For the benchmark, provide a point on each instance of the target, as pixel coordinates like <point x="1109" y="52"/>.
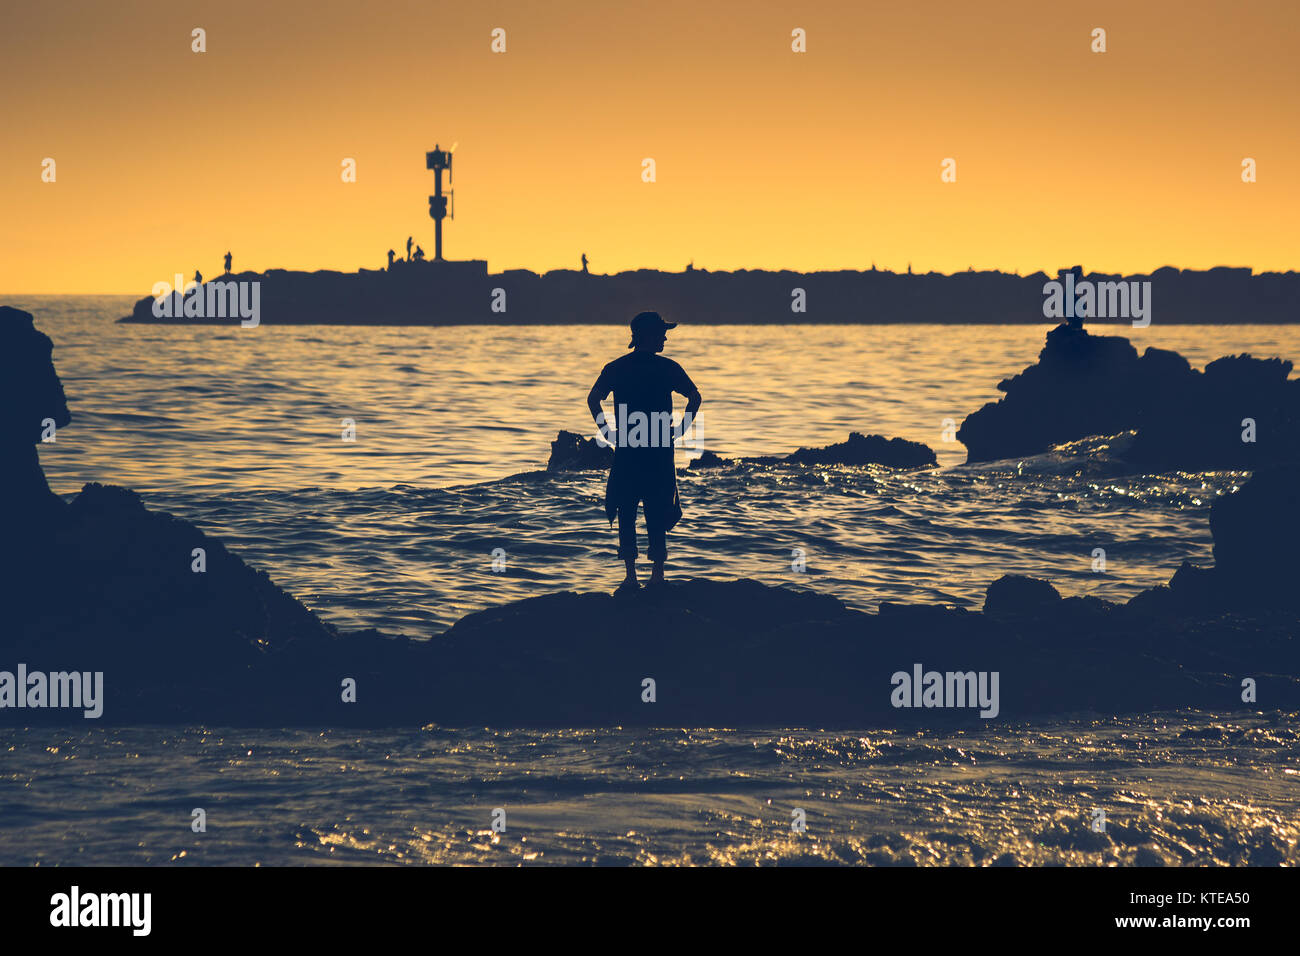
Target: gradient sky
<point x="1123" y="161"/>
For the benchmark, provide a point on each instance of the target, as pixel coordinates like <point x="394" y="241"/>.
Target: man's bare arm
<point x="594" y="398"/>
<point x="693" y="401"/>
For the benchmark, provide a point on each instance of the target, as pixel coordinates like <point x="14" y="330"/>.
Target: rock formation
<point x="572" y="452"/>
<point x="1085" y="385"/>
<point x="34" y="409"/>
<point x="179" y="625"/>
<point x="867" y="450"/>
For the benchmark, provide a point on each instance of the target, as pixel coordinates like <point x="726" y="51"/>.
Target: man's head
<point x="650" y="331"/>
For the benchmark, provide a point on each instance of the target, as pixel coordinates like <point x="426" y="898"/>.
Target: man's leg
<point x="657" y="532"/>
<point x="627" y="539"/>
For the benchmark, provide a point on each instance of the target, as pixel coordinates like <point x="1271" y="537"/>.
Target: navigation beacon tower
<point x="438" y="160"/>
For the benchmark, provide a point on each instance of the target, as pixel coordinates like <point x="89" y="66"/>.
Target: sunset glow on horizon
<point x="1123" y="161"/>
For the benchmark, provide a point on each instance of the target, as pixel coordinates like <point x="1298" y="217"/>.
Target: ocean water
<point x="1176" y="789"/>
<point x="240" y="432"/>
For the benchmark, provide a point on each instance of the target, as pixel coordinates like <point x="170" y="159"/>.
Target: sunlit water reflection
<point x="1187" y="789"/>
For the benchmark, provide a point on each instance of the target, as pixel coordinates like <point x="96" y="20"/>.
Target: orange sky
<point x="1121" y="161"/>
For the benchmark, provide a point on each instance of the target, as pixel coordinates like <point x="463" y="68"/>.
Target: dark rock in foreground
<point x="180" y="627"/>
<point x="740" y="653"/>
<point x="111" y="586"/>
<point x="719" y="653"/>
<point x="1085" y="385"/>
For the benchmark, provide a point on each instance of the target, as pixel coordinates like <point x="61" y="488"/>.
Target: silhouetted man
<point x="584" y="263"/>
<point x="198" y="277"/>
<point x="228" y="261"/>
<point x="410" y="240"/>
<point x="419" y="254"/>
<point x="391" y="253"/>
<point x="643" y="472"/>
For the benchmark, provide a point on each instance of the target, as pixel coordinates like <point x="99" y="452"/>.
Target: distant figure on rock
<point x="419" y="254"/>
<point x="228" y="261"/>
<point x="642" y="433"/>
<point x="584" y="264"/>
<point x="391" y="254"/>
<point x="409" y="240"/>
<point x="198" y="277"/>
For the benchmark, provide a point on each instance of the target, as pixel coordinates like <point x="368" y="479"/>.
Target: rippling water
<point x="239" y="431"/>
<point x="1175" y="789"/>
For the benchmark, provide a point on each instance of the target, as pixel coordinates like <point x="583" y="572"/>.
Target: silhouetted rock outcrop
<point x="1084" y="385"/>
<point x="1256" y="564"/>
<point x="179" y="626"/>
<point x="867" y="450"/>
<point x="572" y="452"/>
<point x="1257" y="535"/>
<point x="34" y="407"/>
<point x="742" y="653"/>
<point x="711" y="459"/>
<point x="1014" y="594"/>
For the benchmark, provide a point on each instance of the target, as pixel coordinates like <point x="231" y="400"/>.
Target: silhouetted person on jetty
<point x="643" y="472"/>
<point x="391" y="254"/>
<point x="584" y="264"/>
<point x="409" y="241"/>
<point x="419" y="254"/>
<point x="228" y="261"/>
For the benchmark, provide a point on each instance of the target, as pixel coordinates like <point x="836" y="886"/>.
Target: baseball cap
<point x="647" y="322"/>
